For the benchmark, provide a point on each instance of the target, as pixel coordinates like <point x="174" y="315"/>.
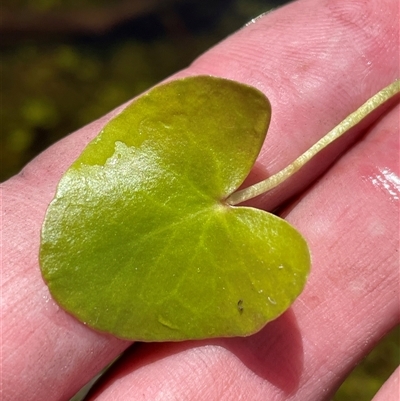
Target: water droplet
<point x="388" y="181"/>
<point x="46" y="298"/>
<point x="271" y="300"/>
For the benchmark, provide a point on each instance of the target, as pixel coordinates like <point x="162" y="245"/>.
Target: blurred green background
<point x="68" y="62"/>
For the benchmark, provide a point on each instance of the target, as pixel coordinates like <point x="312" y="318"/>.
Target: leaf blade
<point x="138" y="241"/>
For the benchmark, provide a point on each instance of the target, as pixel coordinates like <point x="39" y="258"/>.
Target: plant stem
<point x="349" y="122"/>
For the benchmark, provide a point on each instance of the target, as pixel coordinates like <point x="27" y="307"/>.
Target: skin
<point x="317" y="61"/>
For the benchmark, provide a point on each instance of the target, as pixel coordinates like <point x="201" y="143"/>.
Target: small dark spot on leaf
<point x="240" y="306"/>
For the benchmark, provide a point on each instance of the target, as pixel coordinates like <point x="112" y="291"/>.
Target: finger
<point x="316" y="64"/>
<point x="390" y="390"/>
<point x="350" y="220"/>
<point x="42" y="346"/>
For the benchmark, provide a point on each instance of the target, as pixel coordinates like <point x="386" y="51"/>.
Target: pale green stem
<point x="349" y="122"/>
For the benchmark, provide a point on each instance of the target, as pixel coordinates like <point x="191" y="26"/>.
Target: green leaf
<point x="138" y="240"/>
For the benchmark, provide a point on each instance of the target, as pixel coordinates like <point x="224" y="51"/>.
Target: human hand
<point x="316" y="63"/>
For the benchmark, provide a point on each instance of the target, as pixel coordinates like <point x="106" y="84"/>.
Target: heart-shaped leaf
<point x="138" y="240"/>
